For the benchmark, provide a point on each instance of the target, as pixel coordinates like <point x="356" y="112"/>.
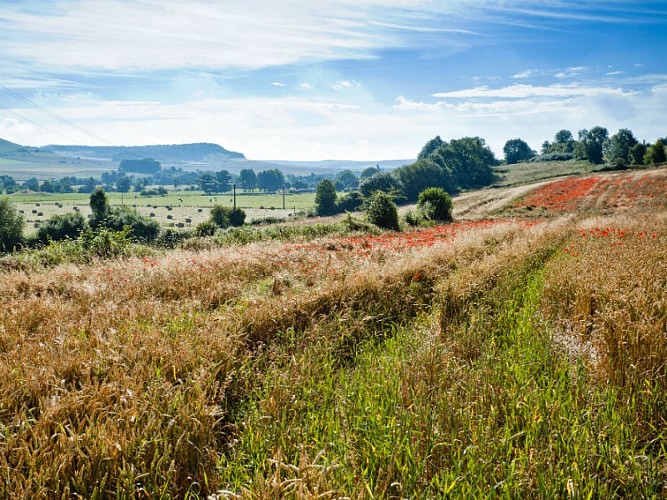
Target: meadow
<point x="517" y="352"/>
<point x="184" y="209"/>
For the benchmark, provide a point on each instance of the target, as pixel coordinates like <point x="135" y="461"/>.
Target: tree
<point x="379" y="182"/>
<point x="563" y="137"/>
<point x="381" y="211"/>
<point x="62" y="226"/>
<point x="517" y="150"/>
<point x="99" y="204"/>
<point x="637" y="153"/>
<point x="470" y="161"/>
<point x="126" y="218"/>
<point x="430" y="147"/>
<point x="655" y="154"/>
<point x="422" y="174"/>
<point x="349" y="202"/>
<point x="88" y="185"/>
<point x="270" y="180"/>
<point x="145" y="166"/>
<point x="435" y="204"/>
<point x="11" y="226"/>
<point x="225" y="216"/>
<point x="618" y="146"/>
<point x="247" y="179"/>
<point x="347" y="179"/>
<point x="123" y="184"/>
<point x="369" y="172"/>
<point x="325" y="198"/>
<point x="590" y="144"/>
<point x="32" y="184"/>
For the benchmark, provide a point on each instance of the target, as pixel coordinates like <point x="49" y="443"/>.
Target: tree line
<point x="620" y="150"/>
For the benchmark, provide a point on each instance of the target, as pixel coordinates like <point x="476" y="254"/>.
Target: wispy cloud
<point x="525" y="91"/>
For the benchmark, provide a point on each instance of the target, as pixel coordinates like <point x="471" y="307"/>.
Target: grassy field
<point x="52" y="167"/>
<point x="518" y="352"/>
<point x="177" y="207"/>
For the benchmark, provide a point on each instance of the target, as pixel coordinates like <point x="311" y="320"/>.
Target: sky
<point x="324" y="79"/>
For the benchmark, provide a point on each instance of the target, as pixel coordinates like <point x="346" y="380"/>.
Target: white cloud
<point x="278" y="84"/>
<point x="571" y="72"/>
<point x="345" y="84"/>
<point x="521" y="91"/>
<point x="139" y="35"/>
<point x="523" y="74"/>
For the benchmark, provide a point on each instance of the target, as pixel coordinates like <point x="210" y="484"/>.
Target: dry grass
<point x="427" y="364"/>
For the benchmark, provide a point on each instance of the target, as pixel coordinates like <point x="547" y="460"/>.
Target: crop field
<point x="183" y="209"/>
<point x="518" y="352"/>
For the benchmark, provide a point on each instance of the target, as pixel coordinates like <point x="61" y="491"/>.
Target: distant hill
<point x="198" y="152"/>
<point x="8" y="147"/>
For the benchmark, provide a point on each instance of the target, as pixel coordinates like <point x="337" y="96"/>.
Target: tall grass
<point x="486" y="362"/>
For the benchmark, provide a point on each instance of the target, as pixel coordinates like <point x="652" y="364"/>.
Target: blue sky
<point x="345" y="79"/>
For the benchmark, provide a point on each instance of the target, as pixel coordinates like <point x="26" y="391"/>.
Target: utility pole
<point x="234" y="196"/>
<point x="283" y="196"/>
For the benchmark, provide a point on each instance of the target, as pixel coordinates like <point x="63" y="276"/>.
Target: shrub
<point x="140" y="227"/>
<point x="206" y="228"/>
<point x="558" y="156"/>
<point x="170" y="238"/>
<point x="381" y="211"/>
<point x="61" y="227"/>
<point x="106" y="242"/>
<point x="99" y="204"/>
<point x="11" y="226"/>
<point x="435" y="204"/>
<point x="224" y="216"/>
<point x="350" y="202"/>
<point x="325" y="198"/>
<point x="236" y="217"/>
<point x="413" y="218"/>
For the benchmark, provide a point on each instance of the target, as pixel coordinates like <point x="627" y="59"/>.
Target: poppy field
<point x="521" y="354"/>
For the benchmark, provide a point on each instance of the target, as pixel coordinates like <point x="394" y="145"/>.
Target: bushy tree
<point x="369" y="172"/>
<point x="422" y="174"/>
<point x="346" y="179"/>
<point x="517" y="150"/>
<point x="62" y="226"/>
<point x="384" y="182"/>
<point x="618" y="146"/>
<point x="99" y="204"/>
<point x="247" y="179"/>
<point x="655" y="154"/>
<point x="350" y="202"/>
<point x="11" y="226"/>
<point x="470" y="161"/>
<point x="225" y="216"/>
<point x="139" y="227"/>
<point x="435" y="204"/>
<point x="381" y="211"/>
<point x="637" y="153"/>
<point x="325" y="198"/>
<point x="590" y="144"/>
<point x="270" y="180"/>
<point x="430" y="147"/>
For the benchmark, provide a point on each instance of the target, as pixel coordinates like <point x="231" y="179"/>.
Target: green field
<point x="183" y="209"/>
<point x="52" y="167"/>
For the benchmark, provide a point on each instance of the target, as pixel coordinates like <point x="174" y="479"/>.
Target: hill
<point x="196" y="152"/>
<point x="8" y="147"/>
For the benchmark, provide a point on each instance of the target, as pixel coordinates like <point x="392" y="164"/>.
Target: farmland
<point x="177" y="207"/>
<point x="518" y="352"/>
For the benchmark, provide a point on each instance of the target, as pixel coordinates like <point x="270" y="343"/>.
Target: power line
<point x="34" y="122"/>
<point x="56" y="116"/>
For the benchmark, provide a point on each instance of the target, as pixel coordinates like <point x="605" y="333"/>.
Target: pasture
<point x="183" y="209"/>
<point x="517" y="352"/>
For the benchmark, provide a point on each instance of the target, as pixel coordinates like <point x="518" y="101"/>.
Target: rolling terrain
<point x="518" y="352"/>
